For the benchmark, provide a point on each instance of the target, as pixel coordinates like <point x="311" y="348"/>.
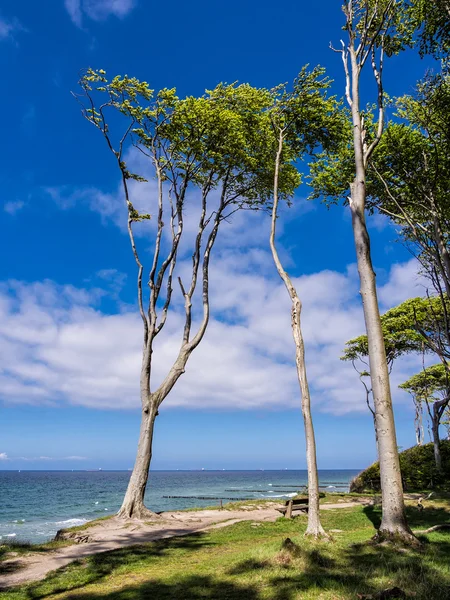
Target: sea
<point x="35" y="504"/>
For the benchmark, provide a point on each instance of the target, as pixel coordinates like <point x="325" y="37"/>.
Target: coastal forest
<point x="188" y="166"/>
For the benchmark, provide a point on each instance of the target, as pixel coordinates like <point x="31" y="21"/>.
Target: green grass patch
<point x="253" y="504"/>
<point x="247" y="562"/>
<point x="87" y="525"/>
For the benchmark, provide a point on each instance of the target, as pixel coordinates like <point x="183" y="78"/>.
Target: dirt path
<point x="114" y="533"/>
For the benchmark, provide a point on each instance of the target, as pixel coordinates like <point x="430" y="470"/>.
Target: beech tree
<point x="302" y="120"/>
<point x="418" y="326"/>
<point x="374" y="29"/>
<point x="410" y="176"/>
<point x="213" y="153"/>
<point x="431" y="21"/>
<point x="431" y="386"/>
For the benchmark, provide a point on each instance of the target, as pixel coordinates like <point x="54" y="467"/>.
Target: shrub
<point x="418" y="470"/>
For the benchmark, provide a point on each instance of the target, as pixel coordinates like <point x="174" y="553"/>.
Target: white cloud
<point x="97" y="10"/>
<point x="46" y="458"/>
<point x="13" y="207"/>
<point x="75" y="458"/>
<point x="57" y="346"/>
<point x="9" y="27"/>
<point x="3" y="456"/>
<point x="73" y="7"/>
<point x="404" y="282"/>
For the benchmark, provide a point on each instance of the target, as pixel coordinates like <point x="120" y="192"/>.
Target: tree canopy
<point x="430" y="384"/>
<point x="413" y="326"/>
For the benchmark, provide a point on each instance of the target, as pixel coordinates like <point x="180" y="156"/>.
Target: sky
<point x="70" y="334"/>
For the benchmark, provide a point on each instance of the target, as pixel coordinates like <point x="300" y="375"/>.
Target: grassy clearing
<point x="245" y="562"/>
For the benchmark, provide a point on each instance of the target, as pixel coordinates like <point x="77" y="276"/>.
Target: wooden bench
<point x="297" y="504"/>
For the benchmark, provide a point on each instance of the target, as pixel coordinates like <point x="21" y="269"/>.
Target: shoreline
<point x="110" y="533"/>
<point x="46" y="501"/>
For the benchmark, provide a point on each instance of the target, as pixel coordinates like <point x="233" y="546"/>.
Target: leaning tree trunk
<point x="314" y="526"/>
<point x="393" y="521"/>
<point x="133" y="502"/>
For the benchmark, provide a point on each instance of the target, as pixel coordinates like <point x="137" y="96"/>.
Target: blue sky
<point x="69" y="335"/>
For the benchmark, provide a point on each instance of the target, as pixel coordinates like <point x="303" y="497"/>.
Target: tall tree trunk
<point x="133" y="502"/>
<point x="393" y="511"/>
<point x="393" y="521"/>
<point x="436" y="440"/>
<point x="314" y="527"/>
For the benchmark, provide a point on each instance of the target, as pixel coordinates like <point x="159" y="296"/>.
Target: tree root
<point x="398" y="538"/>
<point x="431" y="529"/>
<point x="139" y="513"/>
<point x="318" y="535"/>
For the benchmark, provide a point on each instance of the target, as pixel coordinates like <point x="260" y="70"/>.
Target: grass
<point x="87" y="525"/>
<point x="253" y="504"/>
<point x="21" y="548"/>
<point x="13" y="549"/>
<point x="247" y="562"/>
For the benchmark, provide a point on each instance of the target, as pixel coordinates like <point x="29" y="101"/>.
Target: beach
<point x="34" y="505"/>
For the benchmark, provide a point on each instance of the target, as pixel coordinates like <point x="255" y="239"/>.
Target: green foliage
<point x="375" y="28"/>
<point x="381" y="22"/>
<point x="429" y="384"/>
<point x="418" y="469"/>
<point x="410" y="172"/>
<point x="404" y="327"/>
<point x="408" y="176"/>
<point x="244" y="561"/>
<point x="229" y="132"/>
<point x="432" y="23"/>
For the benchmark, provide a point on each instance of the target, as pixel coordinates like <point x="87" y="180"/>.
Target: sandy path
<point x="114" y="533"/>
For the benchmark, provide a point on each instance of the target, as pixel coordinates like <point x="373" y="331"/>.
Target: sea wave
<point x="281" y="495"/>
<point x="71" y="522"/>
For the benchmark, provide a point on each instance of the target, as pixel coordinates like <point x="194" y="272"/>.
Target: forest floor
<point x="236" y="553"/>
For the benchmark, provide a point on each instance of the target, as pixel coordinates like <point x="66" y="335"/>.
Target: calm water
<point x="35" y="504"/>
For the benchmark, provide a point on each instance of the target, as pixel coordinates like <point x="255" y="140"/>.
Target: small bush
<point x="418" y="470"/>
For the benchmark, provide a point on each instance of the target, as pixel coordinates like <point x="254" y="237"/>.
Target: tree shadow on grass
<point x="367" y="569"/>
<point x="345" y="572"/>
<point x="358" y="569"/>
<point x="195" y="587"/>
<point x="422" y="519"/>
<point x="12" y="553"/>
<point x="373" y="513"/>
<point x="417" y="519"/>
<point x="98" y="566"/>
